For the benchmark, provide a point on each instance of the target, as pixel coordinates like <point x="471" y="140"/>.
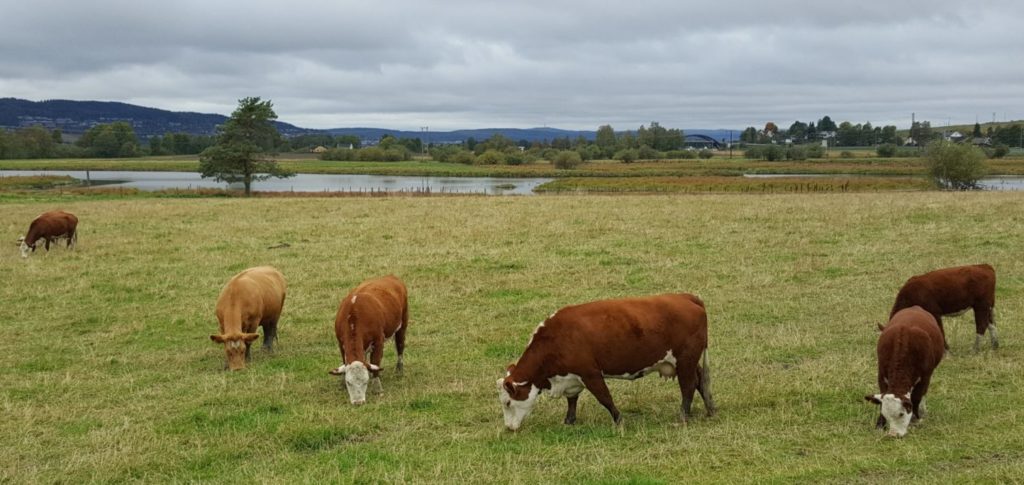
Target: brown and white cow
<point x="50" y="226"/>
<point x="250" y="299"/>
<point x="579" y="346"/>
<point x="952" y="291"/>
<point x="909" y="349"/>
<point x="373" y="312"/>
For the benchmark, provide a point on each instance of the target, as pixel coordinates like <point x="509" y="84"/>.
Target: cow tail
<point x="705" y="385"/>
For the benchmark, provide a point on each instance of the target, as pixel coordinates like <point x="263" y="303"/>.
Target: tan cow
<point x="250" y="299"/>
<point x="578" y="347"/>
<point x="50" y="226"/>
<point x="374" y="311"/>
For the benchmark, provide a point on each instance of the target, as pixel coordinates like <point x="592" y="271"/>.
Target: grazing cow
<point x="579" y="346"/>
<point x="50" y="226"/>
<point x="952" y="291"/>
<point x="909" y="349"/>
<point x="374" y="311"/>
<point x="251" y="299"/>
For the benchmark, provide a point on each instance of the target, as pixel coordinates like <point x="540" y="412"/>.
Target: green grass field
<point x="107" y="372"/>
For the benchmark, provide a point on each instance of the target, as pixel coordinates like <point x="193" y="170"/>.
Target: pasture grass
<point x="107" y="372"/>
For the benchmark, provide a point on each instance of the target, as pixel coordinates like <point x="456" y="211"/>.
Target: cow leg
<point x="982" y="322"/>
<point x="376" y="354"/>
<point x="687" y="376"/>
<point x="248" y="351"/>
<point x="917" y="397"/>
<point x="945" y="343"/>
<point x="46" y="244"/>
<point x="599" y="389"/>
<point x="269" y="335"/>
<point x="400" y="342"/>
<point x="570" y="413"/>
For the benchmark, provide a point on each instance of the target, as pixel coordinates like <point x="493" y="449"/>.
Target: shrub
<point x="647" y="153"/>
<point x="774" y="153"/>
<point x="515" y="158"/>
<point x="953" y="166"/>
<point x="886" y="150"/>
<point x="445" y="153"/>
<point x="567" y="160"/>
<point x="338" y="154"/>
<point x="705" y="154"/>
<point x="814" y="150"/>
<point x="491" y="157"/>
<point x="464" y="156"/>
<point x="680" y="154"/>
<point x="999" y="151"/>
<point x="628" y="155"/>
<point x="754" y="152"/>
<point x="845" y="154"/>
<point x="796" y="153"/>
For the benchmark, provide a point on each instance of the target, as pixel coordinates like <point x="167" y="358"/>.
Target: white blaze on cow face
<point x="24" y="249"/>
<point x="897" y="413"/>
<point x="516" y="410"/>
<point x="356" y="378"/>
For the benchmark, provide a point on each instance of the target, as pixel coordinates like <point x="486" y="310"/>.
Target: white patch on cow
<point x="553" y="315"/>
<point x="895" y="415"/>
<point x="356" y="378"/>
<point x="354" y="299"/>
<point x="569" y="385"/>
<point x="234" y="344"/>
<point x="24" y="249"/>
<point x="515" y="411"/>
<point x="921" y="409"/>
<point x="992" y="338"/>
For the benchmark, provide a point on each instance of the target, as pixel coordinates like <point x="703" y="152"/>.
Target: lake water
<point x="304" y="182"/>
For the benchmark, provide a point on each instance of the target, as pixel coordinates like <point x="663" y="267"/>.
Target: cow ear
<point x="881" y="328"/>
<point x="374" y="368"/>
<point x="510" y="388"/>
<point x="876" y="399"/>
<point x="217" y="338"/>
<point x="339" y="371"/>
<point x="249" y="337"/>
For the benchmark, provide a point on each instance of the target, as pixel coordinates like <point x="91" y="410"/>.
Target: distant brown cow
<point x="952" y="291"/>
<point x="909" y="349"/>
<point x="374" y="311"/>
<point x="578" y="347"/>
<point x="250" y="299"/>
<point x="50" y="226"/>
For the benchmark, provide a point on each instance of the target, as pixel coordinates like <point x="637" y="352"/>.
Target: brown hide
<point x="909" y="349"/>
<point x="951" y="290"/>
<point x="374" y="311"/>
<point x="620" y="337"/>
<point x="250" y="299"/>
<point x="50" y="226"/>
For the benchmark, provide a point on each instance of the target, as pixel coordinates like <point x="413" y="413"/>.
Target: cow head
<point x="234" y="346"/>
<point x="897" y="411"/>
<point x="357" y="375"/>
<point x="517" y="400"/>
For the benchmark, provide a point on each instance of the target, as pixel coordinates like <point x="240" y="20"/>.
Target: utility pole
<point x="426" y="131"/>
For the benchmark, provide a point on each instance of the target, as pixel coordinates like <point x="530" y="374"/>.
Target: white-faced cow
<point x="50" y="226"/>
<point x="373" y="312"/>
<point x="251" y="299"/>
<point x="578" y="347"/>
<point x="909" y="349"/>
<point x="952" y="291"/>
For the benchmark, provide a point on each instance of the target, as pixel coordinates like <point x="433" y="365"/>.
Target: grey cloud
<point x="571" y="64"/>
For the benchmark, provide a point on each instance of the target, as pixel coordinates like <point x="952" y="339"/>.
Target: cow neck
<point x="899" y="369"/>
<point x="355" y="349"/>
<point x="533" y="367"/>
<point x="233" y="319"/>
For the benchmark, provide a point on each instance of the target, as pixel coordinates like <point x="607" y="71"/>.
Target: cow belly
<point x="569" y="385"/>
<point x="666" y="367"/>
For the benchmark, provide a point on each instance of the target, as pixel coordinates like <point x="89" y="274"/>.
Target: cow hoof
<point x="569" y="422"/>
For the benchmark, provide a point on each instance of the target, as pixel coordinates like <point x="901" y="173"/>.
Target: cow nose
<point x="359" y="402"/>
<point x="893" y="434"/>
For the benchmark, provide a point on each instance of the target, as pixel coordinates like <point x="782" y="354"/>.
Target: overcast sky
<point x="525" y="63"/>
